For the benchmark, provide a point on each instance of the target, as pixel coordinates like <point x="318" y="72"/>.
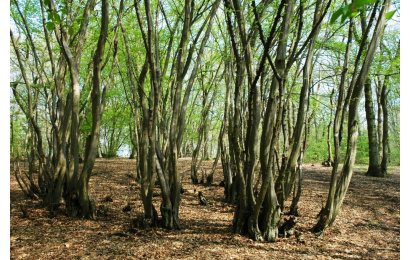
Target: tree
<point x="249" y="217"/>
<point x="206" y="105"/>
<point x="290" y="92"/>
<point x="59" y="172"/>
<point x="374" y="161"/>
<point x="338" y="189"/>
<point x="170" y="188"/>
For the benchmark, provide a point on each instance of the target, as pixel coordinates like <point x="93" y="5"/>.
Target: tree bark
<point x="148" y="142"/>
<point x="385" y="142"/>
<point x="86" y="202"/>
<point x="329" y="131"/>
<point x="374" y="160"/>
<point x="287" y="176"/>
<point x="338" y="191"/>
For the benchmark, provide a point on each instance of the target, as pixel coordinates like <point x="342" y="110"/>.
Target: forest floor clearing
<point x="368" y="226"/>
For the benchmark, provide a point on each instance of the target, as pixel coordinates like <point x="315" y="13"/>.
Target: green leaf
<point x="71" y="31"/>
<point x="344" y="17"/>
<point x="364" y="2"/>
<point x="57" y="18"/>
<point x="347" y="10"/>
<point x="389" y="15"/>
<point x="50" y="26"/>
<point x="46" y="2"/>
<point x="336" y="15"/>
<point x="79" y="19"/>
<point x="64" y="11"/>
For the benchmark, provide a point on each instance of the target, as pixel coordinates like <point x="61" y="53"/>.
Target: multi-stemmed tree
<point x="276" y="63"/>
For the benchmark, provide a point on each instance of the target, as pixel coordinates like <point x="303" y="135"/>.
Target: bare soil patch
<point x="368" y="226"/>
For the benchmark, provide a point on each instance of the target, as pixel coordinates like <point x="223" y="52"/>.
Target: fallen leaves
<point x="365" y="227"/>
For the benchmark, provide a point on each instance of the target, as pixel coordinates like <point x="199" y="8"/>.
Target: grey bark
<point x="374" y="160"/>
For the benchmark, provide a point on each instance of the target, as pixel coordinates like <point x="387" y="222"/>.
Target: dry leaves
<point x="367" y="227"/>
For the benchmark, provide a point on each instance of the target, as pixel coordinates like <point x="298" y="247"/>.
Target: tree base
<point x="327" y="163"/>
<point x="375" y="171"/>
<point x="194" y="180"/>
<point x="294" y="211"/>
<point x="169" y="219"/>
<point x="209" y="179"/>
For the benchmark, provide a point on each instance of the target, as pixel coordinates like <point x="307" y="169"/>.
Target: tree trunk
<point x="383" y="101"/>
<point x="337" y="129"/>
<point x="210" y="177"/>
<point x="379" y="118"/>
<point x="225" y="127"/>
<point x="297" y="193"/>
<point x="85" y="200"/>
<point x="338" y="191"/>
<point x="203" y="125"/>
<point x="133" y="153"/>
<point x="329" y="132"/>
<point x="374" y="160"/>
<point x="287" y="176"/>
<point x="150" y="110"/>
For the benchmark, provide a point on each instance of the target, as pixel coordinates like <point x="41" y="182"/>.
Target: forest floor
<point x="368" y="226"/>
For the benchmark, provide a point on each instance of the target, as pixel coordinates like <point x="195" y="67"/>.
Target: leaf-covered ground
<point x="368" y="226"/>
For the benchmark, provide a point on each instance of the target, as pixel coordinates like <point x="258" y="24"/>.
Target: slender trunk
<point x="383" y="101"/>
<point x="374" y="160"/>
<point x="379" y="118"/>
<point x="335" y="199"/>
<point x="235" y="129"/>
<point x="210" y="177"/>
<point x="201" y="133"/>
<point x="148" y="142"/>
<point x="225" y="126"/>
<point x="173" y="135"/>
<point x="296" y="196"/>
<point x="183" y="106"/>
<point x="203" y="126"/>
<point x="288" y="175"/>
<point x="329" y="132"/>
<point x="30" y="117"/>
<point x="337" y="131"/>
<point x="86" y="202"/>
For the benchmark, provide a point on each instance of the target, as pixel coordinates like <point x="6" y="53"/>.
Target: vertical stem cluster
<point x="340" y="185"/>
